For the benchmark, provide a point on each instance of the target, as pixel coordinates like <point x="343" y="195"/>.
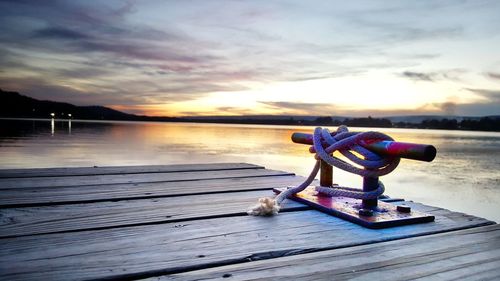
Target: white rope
<point x="268" y="206"/>
<point x="346" y="143"/>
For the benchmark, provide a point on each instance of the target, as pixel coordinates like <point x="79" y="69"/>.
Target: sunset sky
<point x="175" y="58"/>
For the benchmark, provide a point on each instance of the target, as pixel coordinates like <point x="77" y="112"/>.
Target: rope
<point x="347" y="143"/>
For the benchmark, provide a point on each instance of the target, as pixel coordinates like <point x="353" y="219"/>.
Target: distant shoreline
<point x="234" y="122"/>
<point x="17" y="106"/>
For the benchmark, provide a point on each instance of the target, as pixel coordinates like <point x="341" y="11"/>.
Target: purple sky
<point x="353" y="58"/>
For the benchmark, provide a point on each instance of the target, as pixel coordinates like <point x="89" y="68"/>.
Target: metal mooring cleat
<point x="379" y="156"/>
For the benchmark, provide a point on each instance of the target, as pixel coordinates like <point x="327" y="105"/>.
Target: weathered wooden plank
<point x="114" y="170"/>
<point x="472" y="254"/>
<point x="152" y="250"/>
<point x="53" y="219"/>
<point x="11" y="183"/>
<point x="93" y="193"/>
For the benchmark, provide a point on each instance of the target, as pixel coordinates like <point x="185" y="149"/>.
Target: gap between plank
<point x="162" y="181"/>
<point x="256" y="167"/>
<point x="42" y="204"/>
<point x="272" y="255"/>
<point x="227" y="215"/>
<point x="118" y="199"/>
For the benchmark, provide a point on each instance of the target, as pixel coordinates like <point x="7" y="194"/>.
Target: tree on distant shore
<point x="449" y="124"/>
<point x="368" y="122"/>
<point x="482" y="124"/>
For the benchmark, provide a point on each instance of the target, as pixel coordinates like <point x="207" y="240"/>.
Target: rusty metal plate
<point x="383" y="216"/>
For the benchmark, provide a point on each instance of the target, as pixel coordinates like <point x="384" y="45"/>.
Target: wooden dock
<point x="188" y="222"/>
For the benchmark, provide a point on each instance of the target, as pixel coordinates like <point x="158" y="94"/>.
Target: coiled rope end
<point x="266" y="207"/>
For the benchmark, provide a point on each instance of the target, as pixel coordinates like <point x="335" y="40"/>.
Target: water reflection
<point x="52" y="125"/>
<point x="464" y="171"/>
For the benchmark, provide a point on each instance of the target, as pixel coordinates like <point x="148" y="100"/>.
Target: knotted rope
<point x="345" y="142"/>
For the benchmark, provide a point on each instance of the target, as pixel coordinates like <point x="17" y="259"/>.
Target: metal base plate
<point x="384" y="215"/>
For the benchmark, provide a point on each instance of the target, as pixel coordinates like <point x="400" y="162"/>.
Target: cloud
<point x="448" y="108"/>
<point x="493" y="75"/>
<point x="134" y="43"/>
<point x="82" y="72"/>
<point x="222" y="110"/>
<point x="401" y="22"/>
<point x="59" y="33"/>
<point x="107" y="58"/>
<point x="106" y="38"/>
<point x="487" y="104"/>
<point x="418" y="76"/>
<point x="322" y="109"/>
<point x="489" y="95"/>
<point x="126" y="53"/>
<point x="300" y="108"/>
<point x="75" y="29"/>
<point x="491" y="107"/>
<point x="45" y="90"/>
<point x="450" y="74"/>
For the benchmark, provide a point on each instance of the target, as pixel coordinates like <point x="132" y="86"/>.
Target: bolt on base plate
<point x="383" y="216"/>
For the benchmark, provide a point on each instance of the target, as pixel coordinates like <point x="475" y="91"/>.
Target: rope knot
<point x="349" y="145"/>
<point x="346" y="143"/>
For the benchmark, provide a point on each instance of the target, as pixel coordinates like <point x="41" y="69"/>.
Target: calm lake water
<point x="464" y="176"/>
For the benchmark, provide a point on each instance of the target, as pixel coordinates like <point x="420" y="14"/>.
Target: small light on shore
<point x="52" y="114"/>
